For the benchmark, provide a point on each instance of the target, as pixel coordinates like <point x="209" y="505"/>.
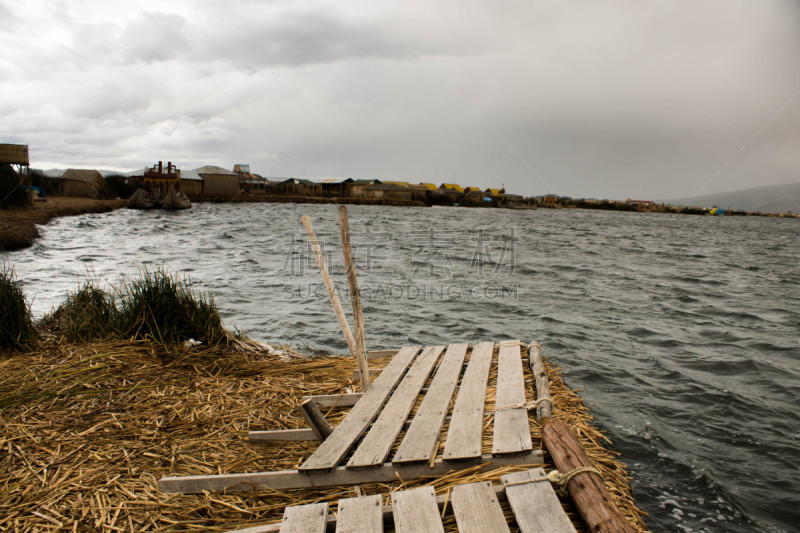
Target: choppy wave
<point x="683" y="332"/>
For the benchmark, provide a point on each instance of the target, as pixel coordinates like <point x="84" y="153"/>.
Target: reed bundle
<point x="88" y="429"/>
<point x="16" y="327"/>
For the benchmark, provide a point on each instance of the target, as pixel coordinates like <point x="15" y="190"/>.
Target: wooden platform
<point x="379" y="440"/>
<point x="476" y="508"/>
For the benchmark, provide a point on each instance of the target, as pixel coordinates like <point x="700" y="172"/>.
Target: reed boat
<point x="162" y="189"/>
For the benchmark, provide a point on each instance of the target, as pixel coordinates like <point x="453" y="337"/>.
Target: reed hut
<point x="300" y="187"/>
<point x="388" y="190"/>
<point x="81" y="183"/>
<point x="356" y="188"/>
<point x="218" y="182"/>
<point x="191" y="184"/>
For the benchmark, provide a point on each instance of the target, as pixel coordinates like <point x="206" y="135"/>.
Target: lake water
<point x="683" y="332"/>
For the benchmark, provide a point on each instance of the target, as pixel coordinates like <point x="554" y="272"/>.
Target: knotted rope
<point x="556" y="478"/>
<point x="528" y="406"/>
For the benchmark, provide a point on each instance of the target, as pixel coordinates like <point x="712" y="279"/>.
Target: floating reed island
<point x="159" y="420"/>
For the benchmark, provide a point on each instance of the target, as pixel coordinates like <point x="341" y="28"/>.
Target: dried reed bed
<point x="88" y="429"/>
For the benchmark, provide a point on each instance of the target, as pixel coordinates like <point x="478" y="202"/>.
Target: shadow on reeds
<point x="157" y="307"/>
<point x="16" y="326"/>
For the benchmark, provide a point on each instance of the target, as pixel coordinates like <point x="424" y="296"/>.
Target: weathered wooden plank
<point x="535" y="504"/>
<point x="282" y="435"/>
<point x="336" y="400"/>
<point x="477" y="509"/>
<point x="377" y="354"/>
<point x="415" y="511"/>
<point x="360" y="515"/>
<point x="419" y="443"/>
<point x="309" y="518"/>
<point x="334" y="448"/>
<point x="512" y="433"/>
<point x="293" y="479"/>
<point x="466" y="425"/>
<point x="587" y="489"/>
<point x="544" y="403"/>
<point x="378" y="442"/>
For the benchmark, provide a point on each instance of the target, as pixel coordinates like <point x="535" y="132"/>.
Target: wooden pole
<point x="328" y="281"/>
<point x="315" y="419"/>
<point x="355" y="297"/>
<point x="587" y="489"/>
<point x="544" y="409"/>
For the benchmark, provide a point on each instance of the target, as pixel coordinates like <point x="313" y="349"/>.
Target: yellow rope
<point x="556" y="478"/>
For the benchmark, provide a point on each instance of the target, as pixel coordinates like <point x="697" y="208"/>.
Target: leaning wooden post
<point x="328" y="281"/>
<point x="355" y="297"/>
<point x="587" y="489"/>
<point x="544" y="403"/>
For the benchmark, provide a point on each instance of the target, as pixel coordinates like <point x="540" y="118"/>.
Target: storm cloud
<point x="608" y="100"/>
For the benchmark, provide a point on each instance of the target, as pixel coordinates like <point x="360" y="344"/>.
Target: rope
<point x="528" y="406"/>
<point x="556" y="478"/>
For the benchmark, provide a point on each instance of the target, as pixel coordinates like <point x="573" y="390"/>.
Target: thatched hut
<point x="82" y="183"/>
<point x="219" y="182"/>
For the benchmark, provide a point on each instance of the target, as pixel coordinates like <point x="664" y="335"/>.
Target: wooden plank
<point x="360" y="515"/>
<point x="355" y="296"/>
<point x="415" y="511"/>
<point x="477" y="509"/>
<point x="587" y="489"/>
<point x="422" y="437"/>
<point x="293" y="479"/>
<point x="336" y="400"/>
<point x="315" y="419"/>
<point x="512" y="433"/>
<point x="386" y="511"/>
<point x="378" y="442"/>
<point x="309" y="518"/>
<point x="535" y="505"/>
<point x="466" y="425"/>
<point x="334" y="448"/>
<point x="282" y="435"/>
<point x="544" y="406"/>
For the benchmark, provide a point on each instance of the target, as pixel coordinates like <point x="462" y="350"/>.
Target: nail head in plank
<point x="419" y="443"/>
<point x="378" y="442"/>
<point x="360" y="515"/>
<point x="512" y="433"/>
<point x="294" y="479"/>
<point x="536" y="506"/>
<point x="477" y="508"/>
<point x="309" y="518"/>
<point x="334" y="448"/>
<point x="415" y="510"/>
<point x="465" y="435"/>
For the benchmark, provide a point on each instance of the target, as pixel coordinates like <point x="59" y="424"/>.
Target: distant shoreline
<point x="19" y="224"/>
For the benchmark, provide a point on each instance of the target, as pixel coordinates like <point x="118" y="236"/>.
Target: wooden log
<point x="296" y="479"/>
<point x="336" y="400"/>
<point x="355" y="297"/>
<point x="544" y="408"/>
<point x="329" y="286"/>
<point x="315" y="419"/>
<point x="587" y="489"/>
<point x="378" y="354"/>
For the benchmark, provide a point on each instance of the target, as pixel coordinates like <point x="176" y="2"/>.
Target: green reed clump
<point x="16" y="327"/>
<point x="164" y="308"/>
<point x="87" y="314"/>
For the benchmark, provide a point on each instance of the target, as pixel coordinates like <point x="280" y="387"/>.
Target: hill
<point x="766" y="199"/>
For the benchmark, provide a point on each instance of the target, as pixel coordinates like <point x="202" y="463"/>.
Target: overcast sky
<point x="629" y="99"/>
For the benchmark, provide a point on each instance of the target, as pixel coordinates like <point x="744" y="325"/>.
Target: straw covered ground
<point x="19" y="224"/>
<point x="87" y="430"/>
